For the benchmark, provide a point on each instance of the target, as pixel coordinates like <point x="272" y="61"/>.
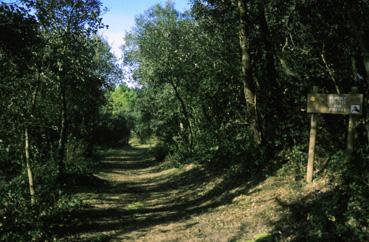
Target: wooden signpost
<point x="344" y="104"/>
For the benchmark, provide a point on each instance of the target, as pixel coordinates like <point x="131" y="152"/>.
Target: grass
<point x="136" y="206"/>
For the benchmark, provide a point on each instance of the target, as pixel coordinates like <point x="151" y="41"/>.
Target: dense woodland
<point x="223" y="85"/>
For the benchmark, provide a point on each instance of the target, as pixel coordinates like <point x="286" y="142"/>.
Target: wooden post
<point x="351" y="132"/>
<point x="312" y="141"/>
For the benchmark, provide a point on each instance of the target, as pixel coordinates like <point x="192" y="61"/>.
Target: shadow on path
<point x="133" y="192"/>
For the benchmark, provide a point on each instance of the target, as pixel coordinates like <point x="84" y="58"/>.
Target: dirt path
<point x="135" y="198"/>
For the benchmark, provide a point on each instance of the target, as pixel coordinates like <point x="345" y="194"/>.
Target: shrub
<point x="112" y="131"/>
<point x="295" y="160"/>
<point x="160" y="151"/>
<point x="19" y="221"/>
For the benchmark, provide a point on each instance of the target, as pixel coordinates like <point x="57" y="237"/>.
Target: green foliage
<point x="160" y="151"/>
<point x="182" y="101"/>
<point x="56" y="77"/>
<point x="340" y="211"/>
<point x="19" y="221"/>
<point x="122" y="101"/>
<point x="192" y="94"/>
<point x="295" y="160"/>
<point x="53" y="73"/>
<point x="118" y="117"/>
<point x="355" y="185"/>
<point x="112" y="131"/>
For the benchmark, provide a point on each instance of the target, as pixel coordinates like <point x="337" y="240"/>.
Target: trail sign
<point x="346" y="104"/>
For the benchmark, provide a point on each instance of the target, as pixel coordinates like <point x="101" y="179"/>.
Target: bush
<point x="295" y="160"/>
<point x="355" y="186"/>
<point x="19" y="221"/>
<point x="112" y="131"/>
<point x="160" y="151"/>
<point x="341" y="212"/>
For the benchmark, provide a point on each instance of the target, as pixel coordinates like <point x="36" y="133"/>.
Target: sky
<point x="121" y="18"/>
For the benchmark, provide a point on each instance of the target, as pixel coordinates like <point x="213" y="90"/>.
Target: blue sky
<point x="121" y="17"/>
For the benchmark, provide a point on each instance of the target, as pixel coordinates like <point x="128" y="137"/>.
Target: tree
<point x="163" y="60"/>
<point x="54" y="72"/>
<point x="18" y="43"/>
<point x="249" y="86"/>
<point x="70" y="25"/>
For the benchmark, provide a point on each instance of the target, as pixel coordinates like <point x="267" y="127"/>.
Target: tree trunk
<point x="271" y="77"/>
<point x="270" y="88"/>
<point x="359" y="74"/>
<point x="185" y="114"/>
<point x="364" y="59"/>
<point x="28" y="167"/>
<point x="62" y="135"/>
<point x="27" y="145"/>
<point x="246" y="75"/>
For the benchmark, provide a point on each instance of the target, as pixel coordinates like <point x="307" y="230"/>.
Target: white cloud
<point x="115" y="40"/>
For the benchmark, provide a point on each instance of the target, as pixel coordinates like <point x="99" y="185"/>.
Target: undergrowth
<point x="337" y="212"/>
<point x="21" y="221"/>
